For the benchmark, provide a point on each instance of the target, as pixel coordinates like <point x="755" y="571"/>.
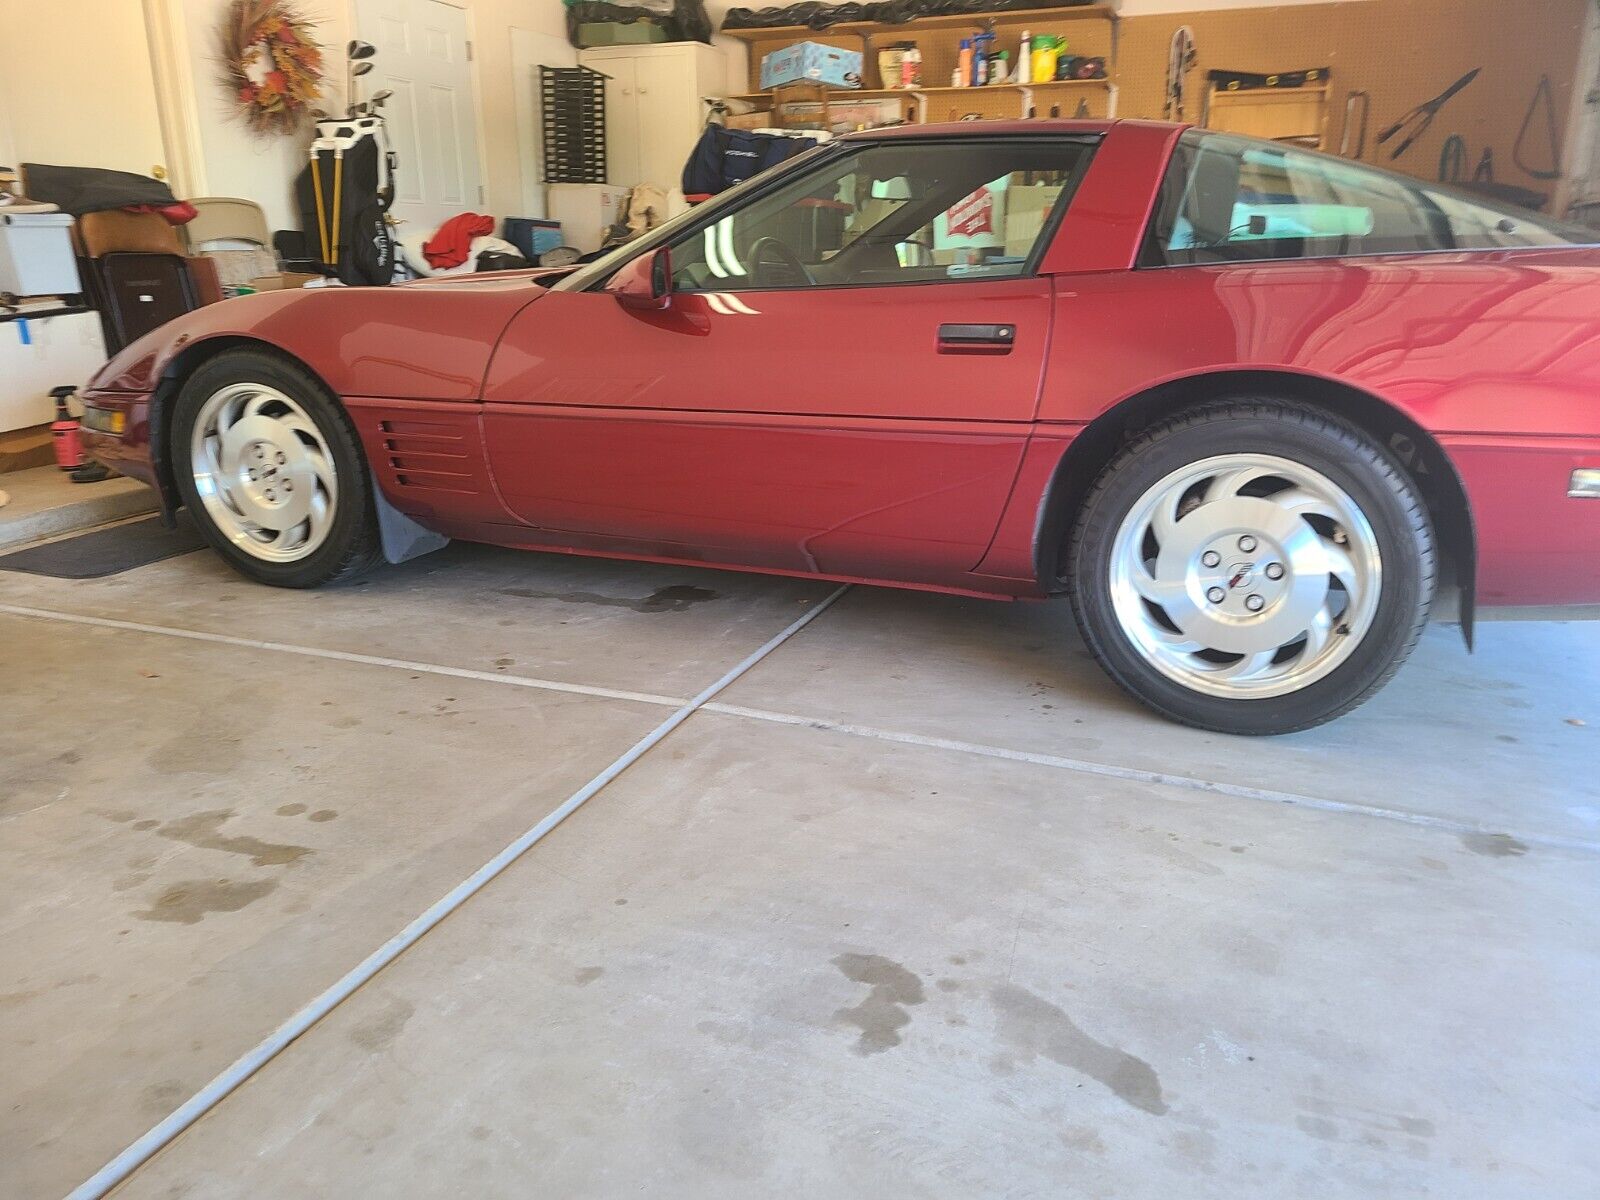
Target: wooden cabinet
<point x="654" y="111"/>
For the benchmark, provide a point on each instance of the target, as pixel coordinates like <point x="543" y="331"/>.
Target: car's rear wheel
<point x="268" y="464"/>
<point x="1252" y="567"/>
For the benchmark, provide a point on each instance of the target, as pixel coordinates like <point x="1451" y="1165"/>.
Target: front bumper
<point x="115" y="430"/>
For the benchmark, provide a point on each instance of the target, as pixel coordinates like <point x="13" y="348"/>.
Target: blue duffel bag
<point x="723" y="157"/>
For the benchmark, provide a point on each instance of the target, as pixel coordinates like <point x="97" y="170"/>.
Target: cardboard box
<point x="614" y="33"/>
<point x="585" y="211"/>
<point x="812" y="62"/>
<point x="1028" y="207"/>
<point x="282" y="281"/>
<point x="754" y="120"/>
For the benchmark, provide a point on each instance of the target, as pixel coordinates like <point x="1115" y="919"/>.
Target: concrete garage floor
<point x="920" y="906"/>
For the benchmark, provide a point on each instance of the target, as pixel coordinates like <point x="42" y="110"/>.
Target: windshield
<point x="601" y="268"/>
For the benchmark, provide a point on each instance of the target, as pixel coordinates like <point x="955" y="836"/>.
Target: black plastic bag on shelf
<point x="686" y="22"/>
<point x="889" y="12"/>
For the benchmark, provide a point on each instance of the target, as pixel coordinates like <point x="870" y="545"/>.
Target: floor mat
<point x="107" y="551"/>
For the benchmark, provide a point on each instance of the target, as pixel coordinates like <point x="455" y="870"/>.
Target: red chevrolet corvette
<point x="1249" y="406"/>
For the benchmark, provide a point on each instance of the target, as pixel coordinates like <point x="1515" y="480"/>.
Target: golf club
<point x="357" y="70"/>
<point x="355" y="53"/>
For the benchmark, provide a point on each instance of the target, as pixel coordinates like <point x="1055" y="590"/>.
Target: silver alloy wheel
<point x="1245" y="576"/>
<point x="264" y="472"/>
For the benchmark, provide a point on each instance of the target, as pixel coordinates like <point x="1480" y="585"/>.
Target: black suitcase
<point x="136" y="293"/>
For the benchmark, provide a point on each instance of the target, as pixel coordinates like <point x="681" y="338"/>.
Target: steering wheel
<point x="767" y="252"/>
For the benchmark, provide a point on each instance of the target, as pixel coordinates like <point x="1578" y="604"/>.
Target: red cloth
<point x="180" y="213"/>
<point x="452" y="241"/>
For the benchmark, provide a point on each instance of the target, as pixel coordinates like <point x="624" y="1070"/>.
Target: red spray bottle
<point x="64" y="432"/>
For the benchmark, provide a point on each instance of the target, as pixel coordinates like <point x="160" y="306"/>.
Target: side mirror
<point x="646" y="282"/>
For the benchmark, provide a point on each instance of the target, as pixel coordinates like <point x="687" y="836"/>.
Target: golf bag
<point x="343" y="194"/>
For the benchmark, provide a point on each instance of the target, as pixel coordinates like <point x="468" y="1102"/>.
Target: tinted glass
<point x="896" y="212"/>
<point x="1231" y="199"/>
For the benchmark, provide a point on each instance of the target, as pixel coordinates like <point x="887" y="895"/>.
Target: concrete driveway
<point x="919" y="906"/>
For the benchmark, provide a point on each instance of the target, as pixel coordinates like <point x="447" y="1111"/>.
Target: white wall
<point x="8" y="152"/>
<point x="75" y="85"/>
<point x="501" y="60"/>
<point x="736" y="52"/>
<point x="235" y="162"/>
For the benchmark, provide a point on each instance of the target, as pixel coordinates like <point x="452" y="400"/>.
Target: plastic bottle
<point x="997" y="68"/>
<point x="1045" y="52"/>
<point x="982" y="43"/>
<point x="911" y="68"/>
<point x="964" y="66"/>
<point x="1024" y="71"/>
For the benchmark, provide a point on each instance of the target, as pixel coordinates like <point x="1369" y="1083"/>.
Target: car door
<point x="843" y="379"/>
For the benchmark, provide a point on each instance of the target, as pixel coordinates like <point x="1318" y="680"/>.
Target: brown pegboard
<point x="1401" y="52"/>
<point x="939" y="40"/>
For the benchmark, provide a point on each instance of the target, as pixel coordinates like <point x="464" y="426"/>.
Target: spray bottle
<point x="64" y="431"/>
<point x="964" y="64"/>
<point x="981" y="43"/>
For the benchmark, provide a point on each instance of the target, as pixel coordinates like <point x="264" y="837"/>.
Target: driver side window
<point x="896" y="212"/>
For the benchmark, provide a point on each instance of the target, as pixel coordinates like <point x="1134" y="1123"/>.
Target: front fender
<point x="404" y="342"/>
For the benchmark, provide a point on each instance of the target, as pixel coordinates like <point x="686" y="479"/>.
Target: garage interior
<point x="524" y="874"/>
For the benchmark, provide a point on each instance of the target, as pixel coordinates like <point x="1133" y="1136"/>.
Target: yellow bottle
<point x="1046" y="50"/>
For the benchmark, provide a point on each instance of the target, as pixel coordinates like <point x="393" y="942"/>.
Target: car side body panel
<point x="816" y="430"/>
<point x="1495" y="354"/>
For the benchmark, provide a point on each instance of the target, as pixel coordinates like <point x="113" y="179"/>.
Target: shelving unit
<point x="938" y="38"/>
<point x="1027" y="95"/>
<point x="1022" y="18"/>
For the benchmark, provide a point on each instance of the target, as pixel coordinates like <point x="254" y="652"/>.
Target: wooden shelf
<point x="1019" y="17"/>
<point x="845" y="95"/>
<point x="1008" y="87"/>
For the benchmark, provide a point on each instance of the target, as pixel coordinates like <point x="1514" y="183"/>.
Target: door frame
<point x="177" y="102"/>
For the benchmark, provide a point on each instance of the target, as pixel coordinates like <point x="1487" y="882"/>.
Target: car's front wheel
<point x="268" y="464"/>
<point x="1252" y="566"/>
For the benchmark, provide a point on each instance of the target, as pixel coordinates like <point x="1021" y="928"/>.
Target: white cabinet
<point x="654" y="111"/>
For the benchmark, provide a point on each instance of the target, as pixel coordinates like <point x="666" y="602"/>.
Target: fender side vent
<point x="430" y="456"/>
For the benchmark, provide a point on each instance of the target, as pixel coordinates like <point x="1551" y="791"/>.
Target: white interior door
<point x="423" y="57"/>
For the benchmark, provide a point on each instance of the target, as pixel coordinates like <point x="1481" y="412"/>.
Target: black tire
<point x="352" y="545"/>
<point x="1301" y="433"/>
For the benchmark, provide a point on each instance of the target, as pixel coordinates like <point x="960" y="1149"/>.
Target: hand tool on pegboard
<point x="1416" y="122"/>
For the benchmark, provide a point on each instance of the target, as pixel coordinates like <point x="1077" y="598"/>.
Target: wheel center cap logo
<point x="1240" y="574"/>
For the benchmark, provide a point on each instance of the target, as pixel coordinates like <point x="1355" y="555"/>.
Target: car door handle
<point x="977" y="339"/>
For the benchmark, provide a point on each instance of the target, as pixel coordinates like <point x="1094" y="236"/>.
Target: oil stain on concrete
<point x="187" y="753"/>
<point x="1031" y="1026"/>
<point x="379" y="1031"/>
<point x="668" y="599"/>
<point x="1494" y="845"/>
<point x="203" y="830"/>
<point x="882" y="1015"/>
<point x="187" y="903"/>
